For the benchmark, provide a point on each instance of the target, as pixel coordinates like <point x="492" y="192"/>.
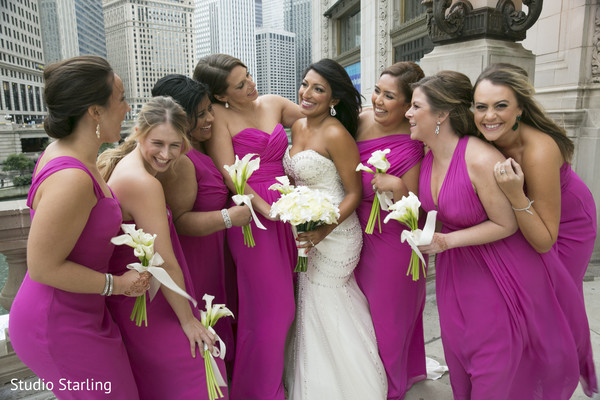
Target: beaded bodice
<point x="309" y="168"/>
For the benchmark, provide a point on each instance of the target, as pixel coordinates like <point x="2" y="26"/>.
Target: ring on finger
<point x="311" y="243"/>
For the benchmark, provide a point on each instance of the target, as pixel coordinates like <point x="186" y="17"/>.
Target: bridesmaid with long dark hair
<point x="396" y="300"/>
<point x="248" y="123"/>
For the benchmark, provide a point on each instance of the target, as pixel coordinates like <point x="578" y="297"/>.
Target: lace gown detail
<point x="333" y="351"/>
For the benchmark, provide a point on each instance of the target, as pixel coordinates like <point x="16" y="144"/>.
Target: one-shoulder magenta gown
<point x="264" y="275"/>
<point x="507" y="331"/>
<point x="160" y="353"/>
<point x="69" y="340"/>
<point x="396" y="300"/>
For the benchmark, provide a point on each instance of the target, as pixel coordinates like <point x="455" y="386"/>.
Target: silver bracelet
<point x="106" y="284"/>
<point x="526" y="209"/>
<point x="226" y="218"/>
<point x="111" y="285"/>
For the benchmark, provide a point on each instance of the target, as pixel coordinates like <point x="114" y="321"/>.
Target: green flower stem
<point x="248" y="238"/>
<point x="139" y="314"/>
<point x="214" y="391"/>
<point x="301" y="264"/>
<point x="373" y="217"/>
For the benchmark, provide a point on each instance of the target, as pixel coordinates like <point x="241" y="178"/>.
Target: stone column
<point x="468" y="39"/>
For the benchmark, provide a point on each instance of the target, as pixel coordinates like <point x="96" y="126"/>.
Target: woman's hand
<point x="438" y="244"/>
<point x="314" y="237"/>
<point x="131" y="283"/>
<point x="510" y="178"/>
<point x="383" y="182"/>
<point x="240" y="215"/>
<point x="198" y="335"/>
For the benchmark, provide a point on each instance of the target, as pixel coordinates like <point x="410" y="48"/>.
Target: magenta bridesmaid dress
<point x="578" y="226"/>
<point x="159" y="353"/>
<point x="69" y="340"/>
<point x="396" y="301"/>
<point x="205" y="255"/>
<point x="264" y="275"/>
<point x="511" y="319"/>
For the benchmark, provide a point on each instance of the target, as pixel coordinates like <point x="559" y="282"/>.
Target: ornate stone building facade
<point x="559" y="45"/>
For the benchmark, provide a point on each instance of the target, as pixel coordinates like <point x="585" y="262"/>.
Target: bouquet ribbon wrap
<point x="160" y="276"/>
<point x="420" y="237"/>
<point x="246" y="199"/>
<point x="217" y="352"/>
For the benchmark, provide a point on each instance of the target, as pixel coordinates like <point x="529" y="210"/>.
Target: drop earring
<point x="98" y="130"/>
<point x="437" y="128"/>
<point x="332" y="111"/>
<point x="226" y="104"/>
<point x="516" y="125"/>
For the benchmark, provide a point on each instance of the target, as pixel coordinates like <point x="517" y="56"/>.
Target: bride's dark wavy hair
<point x="342" y="89"/>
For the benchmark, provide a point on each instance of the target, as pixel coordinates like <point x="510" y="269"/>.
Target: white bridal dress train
<point x="332" y="352"/>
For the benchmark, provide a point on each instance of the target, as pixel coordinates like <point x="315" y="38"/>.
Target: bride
<point x="333" y="352"/>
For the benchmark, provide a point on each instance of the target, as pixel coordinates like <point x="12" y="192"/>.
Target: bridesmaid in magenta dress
<point x="505" y="328"/>
<point x="197" y="197"/>
<point x="166" y="356"/>
<point x="60" y="326"/>
<point x="555" y="209"/>
<point x="396" y="300"/>
<point x="246" y="123"/>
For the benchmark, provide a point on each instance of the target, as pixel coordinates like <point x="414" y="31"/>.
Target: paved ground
<point x="440" y="389"/>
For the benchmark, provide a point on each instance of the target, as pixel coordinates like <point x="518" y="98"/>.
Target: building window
<point x="413" y="50"/>
<point x="349" y="29"/>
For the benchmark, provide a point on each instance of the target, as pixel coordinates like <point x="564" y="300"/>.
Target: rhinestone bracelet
<point x="526" y="209"/>
<point x="226" y="218"/>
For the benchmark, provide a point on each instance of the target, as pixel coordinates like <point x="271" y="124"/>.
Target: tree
<point x="20" y="167"/>
<point x="18" y="162"/>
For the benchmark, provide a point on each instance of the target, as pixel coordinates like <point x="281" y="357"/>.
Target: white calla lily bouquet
<point x="143" y="249"/>
<point x="240" y="171"/>
<point x="305" y="209"/>
<point x="208" y="318"/>
<point x="406" y="211"/>
<point x="381" y="200"/>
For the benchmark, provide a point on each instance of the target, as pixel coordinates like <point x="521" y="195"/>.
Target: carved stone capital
<point x="459" y="22"/>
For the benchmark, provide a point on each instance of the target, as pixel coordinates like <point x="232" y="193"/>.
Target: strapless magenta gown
<point x="511" y="320"/>
<point x="205" y="255"/>
<point x="159" y="353"/>
<point x="264" y="275"/>
<point x="396" y="301"/>
<point x="71" y="337"/>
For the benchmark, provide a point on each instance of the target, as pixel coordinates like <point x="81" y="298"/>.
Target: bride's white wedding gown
<point x="333" y="352"/>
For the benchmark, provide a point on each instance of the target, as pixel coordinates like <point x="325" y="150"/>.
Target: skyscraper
<point x="146" y="40"/>
<point x="21" y="62"/>
<point x="71" y="28"/>
<point x="272" y="13"/>
<point x="226" y="26"/>
<point x="276" y="62"/>
<point x="297" y="19"/>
